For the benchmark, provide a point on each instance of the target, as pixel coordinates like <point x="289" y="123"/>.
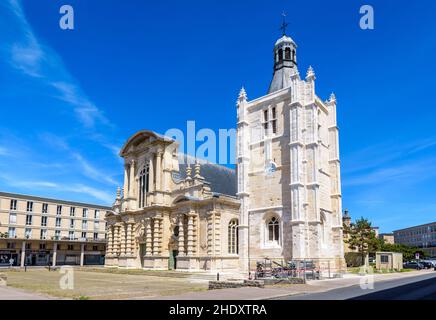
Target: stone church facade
<point x="282" y="203"/>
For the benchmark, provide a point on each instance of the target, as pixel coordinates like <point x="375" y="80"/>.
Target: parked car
<point x="413" y="265"/>
<point x="427" y="264"/>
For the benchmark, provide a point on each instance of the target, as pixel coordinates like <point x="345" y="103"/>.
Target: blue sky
<point x="69" y="99"/>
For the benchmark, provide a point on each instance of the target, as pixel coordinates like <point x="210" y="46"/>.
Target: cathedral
<point x="282" y="203"/>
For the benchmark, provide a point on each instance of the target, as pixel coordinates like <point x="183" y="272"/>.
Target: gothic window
<point x="270" y="122"/>
<point x="273" y="228"/>
<point x="288" y="54"/>
<point x="265" y="120"/>
<point x="233" y="237"/>
<point x="274" y="120"/>
<point x="280" y="55"/>
<point x="143" y="185"/>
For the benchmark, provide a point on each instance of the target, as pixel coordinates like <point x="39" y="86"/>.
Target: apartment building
<point x="422" y="236"/>
<point x="42" y="231"/>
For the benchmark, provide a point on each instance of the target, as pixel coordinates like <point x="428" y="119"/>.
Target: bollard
<point x="218" y="276"/>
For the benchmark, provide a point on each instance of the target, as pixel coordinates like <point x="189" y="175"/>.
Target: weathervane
<point x="284" y="24"/>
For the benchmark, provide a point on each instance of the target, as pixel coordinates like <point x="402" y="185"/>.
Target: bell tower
<point x="285" y="61"/>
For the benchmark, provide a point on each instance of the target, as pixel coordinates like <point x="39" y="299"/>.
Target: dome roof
<point x="284" y="39"/>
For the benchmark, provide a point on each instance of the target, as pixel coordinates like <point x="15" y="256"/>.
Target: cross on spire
<point x="284" y="23"/>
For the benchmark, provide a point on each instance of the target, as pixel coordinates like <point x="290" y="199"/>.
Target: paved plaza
<point x="102" y="284"/>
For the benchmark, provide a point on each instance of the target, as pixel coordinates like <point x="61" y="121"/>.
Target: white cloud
<point x="36" y="60"/>
<point x="95" y="193"/>
<point x="92" y="172"/>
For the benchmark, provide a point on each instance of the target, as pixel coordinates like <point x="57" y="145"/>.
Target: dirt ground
<point x="104" y="284"/>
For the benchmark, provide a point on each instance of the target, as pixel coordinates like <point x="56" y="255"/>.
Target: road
<point x="421" y="287"/>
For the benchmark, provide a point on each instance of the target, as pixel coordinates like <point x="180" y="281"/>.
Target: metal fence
<point x="307" y="269"/>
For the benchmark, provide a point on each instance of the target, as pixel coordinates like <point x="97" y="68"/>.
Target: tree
<point x="362" y="237"/>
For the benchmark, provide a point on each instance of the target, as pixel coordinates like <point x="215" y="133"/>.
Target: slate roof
<point x="222" y="179"/>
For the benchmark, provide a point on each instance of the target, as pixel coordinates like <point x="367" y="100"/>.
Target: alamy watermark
<point x="367" y="20"/>
<point x="66" y="282"/>
<point x="67" y="20"/>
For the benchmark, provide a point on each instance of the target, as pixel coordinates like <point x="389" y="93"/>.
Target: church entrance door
<point x="172" y="261"/>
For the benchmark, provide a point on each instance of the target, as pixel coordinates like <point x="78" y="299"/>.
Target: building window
<point x="70" y="247"/>
<point x="273" y="230"/>
<point x="143" y="185"/>
<point x="28" y="233"/>
<point x="29" y="206"/>
<point x="95" y="236"/>
<point x="10" y="245"/>
<point x="265" y="120"/>
<point x="287" y="53"/>
<point x="71" y="223"/>
<point x="280" y="55"/>
<point x="12" y="218"/>
<point x="94" y="248"/>
<point x="233" y="237"/>
<point x="85" y="213"/>
<point x="84" y="224"/>
<point x="96" y="225"/>
<point x="57" y="234"/>
<point x="43" y="221"/>
<point x="29" y="219"/>
<point x="71" y="235"/>
<point x="13" y="204"/>
<point x="274" y="120"/>
<point x="28" y="246"/>
<point x="83" y="235"/>
<point x="72" y="211"/>
<point x="59" y="210"/>
<point x="42" y="246"/>
<point x="43" y="234"/>
<point x="45" y="208"/>
<point x="270" y="120"/>
<point x="12" y="232"/>
<point x="97" y="214"/>
<point x="58" y="222"/>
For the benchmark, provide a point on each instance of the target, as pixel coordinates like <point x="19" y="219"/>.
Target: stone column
<point x="190" y="235"/>
<point x="132" y="179"/>
<point x="158" y="170"/>
<point x="82" y="254"/>
<point x="23" y="254"/>
<point x="148" y="238"/>
<point x="132" y="238"/>
<point x="217" y="226"/>
<point x="117" y="240"/>
<point x="210" y="234"/>
<point x="55" y="253"/>
<point x="128" y="238"/>
<point x="123" y="239"/>
<point x="126" y="182"/>
<point x="111" y="240"/>
<point x="156" y="236"/>
<point x="151" y="175"/>
<point x="181" y="240"/>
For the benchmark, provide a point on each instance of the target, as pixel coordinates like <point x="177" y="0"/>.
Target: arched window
<point x="293" y="55"/>
<point x="143" y="185"/>
<point x="273" y="226"/>
<point x="233" y="236"/>
<point x="280" y="55"/>
<point x="288" y="53"/>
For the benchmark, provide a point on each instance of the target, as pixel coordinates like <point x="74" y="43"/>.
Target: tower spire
<point x="285" y="60"/>
<point x="284" y="23"/>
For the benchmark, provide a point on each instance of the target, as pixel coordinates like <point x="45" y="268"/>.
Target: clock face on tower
<point x="270" y="168"/>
